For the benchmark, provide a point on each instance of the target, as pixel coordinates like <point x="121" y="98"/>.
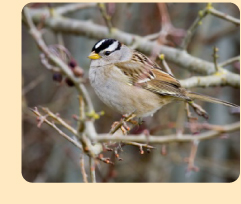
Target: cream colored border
<point x="15" y="189"/>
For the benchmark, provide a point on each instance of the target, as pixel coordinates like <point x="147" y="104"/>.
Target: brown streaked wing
<point x="165" y="77"/>
<point x="164" y="88"/>
<point x="136" y="71"/>
<point x="165" y="84"/>
<point x="144" y="73"/>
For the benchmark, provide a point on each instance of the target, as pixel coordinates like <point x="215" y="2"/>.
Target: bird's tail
<point x="201" y="97"/>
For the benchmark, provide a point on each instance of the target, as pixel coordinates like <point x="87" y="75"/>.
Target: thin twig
<point x="221" y="32"/>
<point x="82" y="116"/>
<point x="83" y="91"/>
<point x="82" y="168"/>
<point x="41" y="44"/>
<point x="87" y="147"/>
<point x="198" y="21"/>
<point x="224" y="168"/>
<point x="153" y="36"/>
<point x="59" y="35"/>
<point x="215" y="57"/>
<point x="111" y="169"/>
<point x="92" y="169"/>
<point x="65" y="9"/>
<point x="191" y="159"/>
<point x="105" y="16"/>
<point x="189" y="114"/>
<point x="166" y="25"/>
<point x="229" y="61"/>
<point x="224" y="16"/>
<point x="33" y="84"/>
<point x="69" y="8"/>
<point x="139" y="145"/>
<point x="165" y="65"/>
<point x="75" y="142"/>
<point x="60" y="120"/>
<point x="192" y="120"/>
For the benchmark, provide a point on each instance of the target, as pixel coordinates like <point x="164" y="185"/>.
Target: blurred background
<point x="47" y="157"/>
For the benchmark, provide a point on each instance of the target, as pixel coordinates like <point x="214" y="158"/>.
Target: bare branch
<point x="198" y="21"/>
<point x="215" y="57"/>
<point x="92" y="169"/>
<point x="139" y="144"/>
<point x="89" y="29"/>
<point x="229" y="61"/>
<point x="86" y="131"/>
<point x="37" y="36"/>
<point x="32" y="84"/>
<point x="82" y="167"/>
<point x="153" y="36"/>
<point x="60" y="120"/>
<point x="64" y="9"/>
<point x="223" y="78"/>
<point x="171" y="138"/>
<point x="51" y="124"/>
<point x="106" y="16"/>
<point x="165" y="65"/>
<point x="191" y="159"/>
<point x="166" y="26"/>
<point x="87" y="147"/>
<point x="69" y="8"/>
<point x="65" y="69"/>
<point x="82" y="116"/>
<point x="202" y="14"/>
<point x="224" y="16"/>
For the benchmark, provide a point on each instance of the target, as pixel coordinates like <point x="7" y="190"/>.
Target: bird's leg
<point x="122" y="124"/>
<point x="129" y="118"/>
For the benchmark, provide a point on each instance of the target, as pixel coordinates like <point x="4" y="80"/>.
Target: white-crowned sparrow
<point x="129" y="82"/>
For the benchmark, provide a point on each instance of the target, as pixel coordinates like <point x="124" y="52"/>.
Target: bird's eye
<point x="107" y="52"/>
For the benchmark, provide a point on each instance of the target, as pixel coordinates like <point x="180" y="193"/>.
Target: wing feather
<point x="142" y="72"/>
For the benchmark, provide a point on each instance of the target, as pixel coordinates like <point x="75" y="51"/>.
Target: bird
<point x="129" y="82"/>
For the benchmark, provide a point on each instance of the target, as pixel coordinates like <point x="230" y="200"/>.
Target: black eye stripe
<point x="105" y="44"/>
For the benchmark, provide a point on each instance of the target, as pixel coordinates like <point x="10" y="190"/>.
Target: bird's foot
<point x="122" y="124"/>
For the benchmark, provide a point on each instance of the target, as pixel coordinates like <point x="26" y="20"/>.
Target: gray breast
<point x="105" y="87"/>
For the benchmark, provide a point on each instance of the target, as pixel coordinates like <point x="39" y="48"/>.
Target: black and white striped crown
<point x="110" y="45"/>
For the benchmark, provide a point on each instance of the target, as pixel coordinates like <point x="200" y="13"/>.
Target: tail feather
<point x="201" y="97"/>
